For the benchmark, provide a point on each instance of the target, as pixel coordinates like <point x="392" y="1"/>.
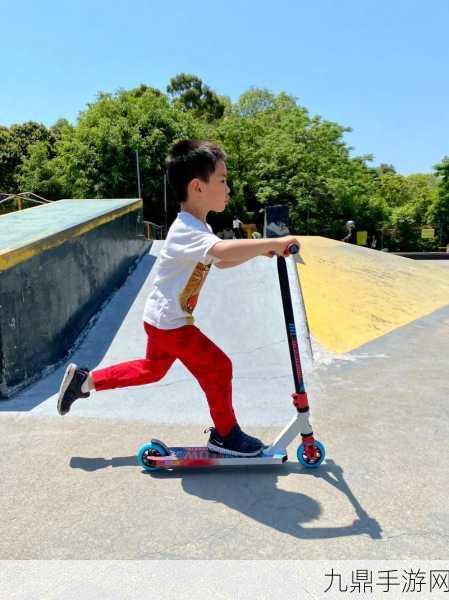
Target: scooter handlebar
<point x="291" y="249"/>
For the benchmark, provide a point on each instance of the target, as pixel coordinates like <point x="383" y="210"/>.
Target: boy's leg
<point x="137" y="372"/>
<point x="213" y="371"/>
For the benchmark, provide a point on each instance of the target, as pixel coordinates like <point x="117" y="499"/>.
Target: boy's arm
<point x="228" y="264"/>
<point x="239" y="251"/>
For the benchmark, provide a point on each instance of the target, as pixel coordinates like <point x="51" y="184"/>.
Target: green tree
<point x="409" y="200"/>
<point x="14" y="145"/>
<point x="97" y="157"/>
<point x="281" y="155"/>
<point x="36" y="173"/>
<point x="277" y="152"/>
<point x="439" y="210"/>
<point x="188" y="92"/>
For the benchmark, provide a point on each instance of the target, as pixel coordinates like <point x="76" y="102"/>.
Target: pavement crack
<point x="175" y="551"/>
<point x="417" y="533"/>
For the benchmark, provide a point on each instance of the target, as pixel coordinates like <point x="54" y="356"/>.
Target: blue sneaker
<point x="236" y="443"/>
<point x="70" y="389"/>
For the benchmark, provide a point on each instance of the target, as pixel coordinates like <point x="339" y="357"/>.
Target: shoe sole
<point x="221" y="450"/>
<point x="66" y="381"/>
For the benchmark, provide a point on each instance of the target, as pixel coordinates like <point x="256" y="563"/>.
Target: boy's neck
<point x="195" y="212"/>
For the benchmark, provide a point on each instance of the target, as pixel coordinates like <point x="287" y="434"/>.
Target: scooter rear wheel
<point x="146" y="452"/>
<point x="305" y="461"/>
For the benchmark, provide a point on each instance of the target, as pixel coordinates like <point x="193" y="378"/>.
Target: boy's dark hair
<point x="189" y="159"/>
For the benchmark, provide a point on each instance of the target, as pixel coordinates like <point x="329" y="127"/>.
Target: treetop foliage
<point x="278" y="154"/>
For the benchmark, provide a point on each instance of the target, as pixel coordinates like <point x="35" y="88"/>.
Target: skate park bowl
<point x="357" y="301"/>
<point x="377" y="387"/>
<point x="58" y="263"/>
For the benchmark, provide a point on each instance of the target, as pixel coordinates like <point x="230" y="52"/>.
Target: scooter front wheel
<point x="308" y="461"/>
<point x="146" y="452"/>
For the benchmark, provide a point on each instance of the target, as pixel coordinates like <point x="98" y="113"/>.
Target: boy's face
<point x="214" y="194"/>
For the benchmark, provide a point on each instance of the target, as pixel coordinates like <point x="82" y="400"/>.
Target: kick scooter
<point x="310" y="454"/>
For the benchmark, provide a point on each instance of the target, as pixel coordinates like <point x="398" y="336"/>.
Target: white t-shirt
<point x="180" y="272"/>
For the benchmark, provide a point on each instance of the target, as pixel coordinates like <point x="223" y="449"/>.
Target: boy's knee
<point x="158" y="371"/>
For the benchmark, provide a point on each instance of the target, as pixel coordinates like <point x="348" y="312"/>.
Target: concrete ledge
<point x="58" y="264"/>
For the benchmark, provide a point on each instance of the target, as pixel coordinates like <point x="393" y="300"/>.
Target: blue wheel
<point x="311" y="463"/>
<point x="146" y="452"/>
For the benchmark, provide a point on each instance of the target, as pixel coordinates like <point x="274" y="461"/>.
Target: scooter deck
<point x="200" y="456"/>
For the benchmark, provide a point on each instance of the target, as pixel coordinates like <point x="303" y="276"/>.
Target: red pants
<point x="207" y="363"/>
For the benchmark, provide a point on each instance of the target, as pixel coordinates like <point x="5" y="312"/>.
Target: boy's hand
<point x="281" y="244"/>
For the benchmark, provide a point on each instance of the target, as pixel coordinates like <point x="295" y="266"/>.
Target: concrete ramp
<point x="368" y="311"/>
<point x="240" y="309"/>
<point x="378" y="387"/>
<point x="365" y="309"/>
<point x="354" y="295"/>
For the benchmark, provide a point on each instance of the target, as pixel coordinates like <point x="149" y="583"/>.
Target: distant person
<point x="350" y="237"/>
<point x="237" y="228"/>
<point x="198" y="175"/>
<point x="373" y="242"/>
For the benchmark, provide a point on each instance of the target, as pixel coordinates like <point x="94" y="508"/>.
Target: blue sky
<point x="380" y="67"/>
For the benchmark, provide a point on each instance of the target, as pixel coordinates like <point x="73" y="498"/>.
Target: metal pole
<point x="138" y="174"/>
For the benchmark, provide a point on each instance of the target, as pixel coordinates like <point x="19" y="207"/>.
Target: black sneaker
<point x="236" y="443"/>
<point x="70" y="389"/>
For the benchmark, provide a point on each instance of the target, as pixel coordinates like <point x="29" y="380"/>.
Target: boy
<point x="197" y="173"/>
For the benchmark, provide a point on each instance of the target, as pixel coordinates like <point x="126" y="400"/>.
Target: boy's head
<point x="197" y="173"/>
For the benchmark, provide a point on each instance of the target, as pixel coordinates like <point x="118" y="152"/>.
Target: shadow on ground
<point x="254" y="492"/>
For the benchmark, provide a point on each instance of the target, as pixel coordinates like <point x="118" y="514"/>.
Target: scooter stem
<point x="300" y="399"/>
<point x="290" y="321"/>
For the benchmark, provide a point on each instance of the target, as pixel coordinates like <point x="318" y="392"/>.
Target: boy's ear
<point x="195" y="185"/>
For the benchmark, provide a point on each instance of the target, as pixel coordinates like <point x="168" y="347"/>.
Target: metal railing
<point x="21" y="197"/>
<point x="153" y="231"/>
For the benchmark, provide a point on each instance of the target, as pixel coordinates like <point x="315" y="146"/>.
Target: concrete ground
<point x="72" y="489"/>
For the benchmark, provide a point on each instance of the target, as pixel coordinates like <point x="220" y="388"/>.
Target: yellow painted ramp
<point x="354" y="295"/>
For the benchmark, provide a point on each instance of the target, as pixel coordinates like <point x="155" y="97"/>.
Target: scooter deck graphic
<point x="201" y="456"/>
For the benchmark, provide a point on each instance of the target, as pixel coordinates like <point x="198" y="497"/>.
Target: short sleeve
<point x="194" y="246"/>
